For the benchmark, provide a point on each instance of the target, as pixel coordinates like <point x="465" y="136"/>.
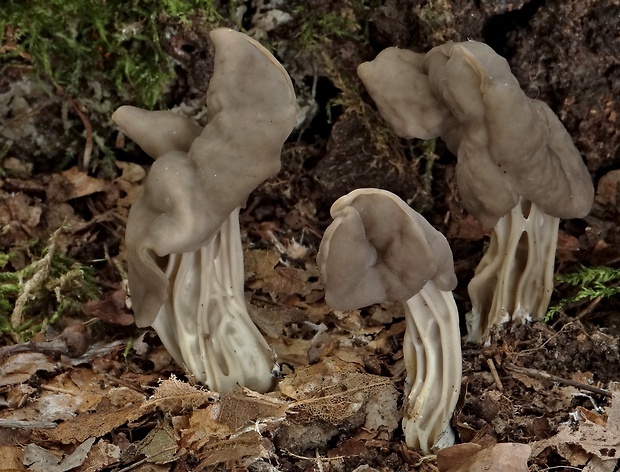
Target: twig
<point x="57" y="390"/>
<point x="496" y="379"/>
<point x="79" y="109"/>
<point x="53" y="348"/>
<point x="24" y="424"/>
<point x="587" y="310"/>
<point x="538" y="374"/>
<point x="134" y="465"/>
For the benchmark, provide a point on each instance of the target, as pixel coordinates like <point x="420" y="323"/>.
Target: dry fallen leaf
<point x="243" y="407"/>
<point x="93" y="425"/>
<point x="173" y="396"/>
<point x="159" y="446"/>
<point x="101" y="455"/>
<point x="240" y="450"/>
<point x="333" y="391"/>
<point x="12" y="458"/>
<point x="72" y="183"/>
<point x="20" y="367"/>
<point x="602" y="441"/>
<point x="110" y="308"/>
<point x="237" y="411"/>
<point x="504" y="457"/>
<point x="39" y="459"/>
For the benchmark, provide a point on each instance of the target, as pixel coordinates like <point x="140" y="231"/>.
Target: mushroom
<point x="378" y="249"/>
<point x="518" y="170"/>
<point x="183" y="241"/>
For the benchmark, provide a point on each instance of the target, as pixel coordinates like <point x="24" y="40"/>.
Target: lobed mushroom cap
<point x="508" y="145"/>
<point x="174" y="132"/>
<point x="378" y="249"/>
<point x="194" y="186"/>
<point x="401" y="89"/>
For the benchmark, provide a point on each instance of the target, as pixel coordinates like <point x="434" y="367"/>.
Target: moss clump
<point x="319" y="27"/>
<point x="114" y="43"/>
<point x="50" y="286"/>
<point x="595" y="283"/>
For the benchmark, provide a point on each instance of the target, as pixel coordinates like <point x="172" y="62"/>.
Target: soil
<point x="526" y="386"/>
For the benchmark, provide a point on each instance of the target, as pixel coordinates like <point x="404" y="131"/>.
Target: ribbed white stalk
<point x="514" y="279"/>
<point x="432" y="353"/>
<point x="205" y="324"/>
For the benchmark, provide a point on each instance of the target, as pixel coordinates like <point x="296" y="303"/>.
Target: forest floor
<point x="81" y="388"/>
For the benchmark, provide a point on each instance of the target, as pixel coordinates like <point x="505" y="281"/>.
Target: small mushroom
<point x="378" y="249"/>
<point x="518" y="170"/>
<point x="182" y="241"/>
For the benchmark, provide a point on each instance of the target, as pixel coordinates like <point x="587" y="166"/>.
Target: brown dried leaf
<point x="262" y="273"/>
<point x="101" y="455"/>
<point x="332" y="391"/>
<point x="603" y="441"/>
<point x="160" y="445"/>
<point x="131" y="172"/>
<point x="291" y="351"/>
<point x="272" y="320"/>
<point x="600" y="465"/>
<point x="243" y="406"/>
<point x="39" y="459"/>
<point x="240" y="451"/>
<point x="285" y="281"/>
<point x="110" y="308"/>
<point x="93" y="425"/>
<point x="173" y="396"/>
<point x="12" y="457"/>
<point x="20" y="367"/>
<point x="259" y="263"/>
<point x="238" y="409"/>
<point x="204" y="428"/>
<point x="72" y="183"/>
<point x="453" y="456"/>
<point x="528" y="381"/>
<point x="507" y="457"/>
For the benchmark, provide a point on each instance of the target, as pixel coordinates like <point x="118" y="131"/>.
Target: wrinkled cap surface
<point x="199" y="178"/>
<point x="508" y="145"/>
<point x="400" y="88"/>
<point x="378" y="249"/>
<point x="175" y="132"/>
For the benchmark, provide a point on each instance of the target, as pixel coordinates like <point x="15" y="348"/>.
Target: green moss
<point x="112" y="42"/>
<point x="50" y="286"/>
<point x="318" y="27"/>
<point x="593" y="282"/>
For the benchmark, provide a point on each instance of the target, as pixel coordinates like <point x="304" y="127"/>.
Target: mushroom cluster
<point x="378" y="249"/>
<point x="182" y="241"/>
<point x="518" y="170"/>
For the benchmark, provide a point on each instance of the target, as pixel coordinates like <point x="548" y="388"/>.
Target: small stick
<point x="79" y="108"/>
<point x="496" y="379"/>
<point x="23" y="424"/>
<point x="57" y="390"/>
<point x="554" y="378"/>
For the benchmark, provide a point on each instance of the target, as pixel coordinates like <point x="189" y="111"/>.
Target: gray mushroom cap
<point x="188" y="195"/>
<point x="378" y="249"/>
<point x="174" y="132"/>
<point x="508" y="145"/>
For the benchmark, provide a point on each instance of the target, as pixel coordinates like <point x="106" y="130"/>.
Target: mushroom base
<point x="432" y="354"/>
<point x="514" y="279"/>
<point x="205" y="324"/>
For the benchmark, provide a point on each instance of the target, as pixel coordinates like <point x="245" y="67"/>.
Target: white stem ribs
<point x="514" y="279"/>
<point x="432" y="352"/>
<point x="205" y="324"/>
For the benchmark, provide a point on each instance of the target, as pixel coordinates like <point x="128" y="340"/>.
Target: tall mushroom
<point x="182" y="241"/>
<point x="518" y="170"/>
<point x="378" y="249"/>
